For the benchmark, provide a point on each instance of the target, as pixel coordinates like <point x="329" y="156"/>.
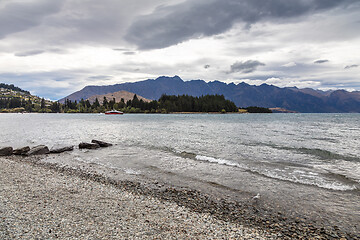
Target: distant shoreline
<point x="136" y="113"/>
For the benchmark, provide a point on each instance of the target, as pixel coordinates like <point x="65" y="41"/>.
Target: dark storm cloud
<point x="245" y="67"/>
<point x="171" y="25"/>
<point x="29" y="53"/>
<point x="351" y="66"/>
<point x="321" y="61"/>
<point x="20" y="16"/>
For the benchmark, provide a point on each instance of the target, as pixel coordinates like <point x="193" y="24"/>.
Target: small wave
<point x="318" y="182"/>
<point x="218" y="161"/>
<point x="324" y="154"/>
<point x="320" y="153"/>
<point x="308" y="178"/>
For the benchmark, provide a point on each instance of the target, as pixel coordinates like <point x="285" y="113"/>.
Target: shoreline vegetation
<point x="86" y="203"/>
<point x="15" y="100"/>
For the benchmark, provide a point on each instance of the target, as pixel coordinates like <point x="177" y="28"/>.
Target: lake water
<point x="308" y="163"/>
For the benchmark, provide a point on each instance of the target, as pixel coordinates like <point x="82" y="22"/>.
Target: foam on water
<point x="217" y="160"/>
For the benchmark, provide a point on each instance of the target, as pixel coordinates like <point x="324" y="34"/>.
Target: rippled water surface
<point x="302" y="156"/>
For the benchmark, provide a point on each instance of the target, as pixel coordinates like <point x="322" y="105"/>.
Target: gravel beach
<point x="39" y="202"/>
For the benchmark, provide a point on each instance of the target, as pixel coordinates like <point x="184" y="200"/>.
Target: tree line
<point x="17" y="104"/>
<point x="166" y="104"/>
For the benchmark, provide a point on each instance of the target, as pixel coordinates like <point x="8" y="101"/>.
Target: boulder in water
<point x="88" y="145"/>
<point x="38" y="150"/>
<point x="101" y="143"/>
<point x="6" y="151"/>
<point x="21" y="151"/>
<point x="60" y="149"/>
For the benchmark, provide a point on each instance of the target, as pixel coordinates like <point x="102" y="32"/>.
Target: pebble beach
<point x="38" y="202"/>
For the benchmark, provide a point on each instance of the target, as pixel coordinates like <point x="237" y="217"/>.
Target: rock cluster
<point x="94" y="144"/>
<point x="42" y="149"/>
<point x="21" y="151"/>
<point x="6" y="151"/>
<point x="84" y="145"/>
<point x="101" y="143"/>
<point x="38" y="150"/>
<point x="60" y="149"/>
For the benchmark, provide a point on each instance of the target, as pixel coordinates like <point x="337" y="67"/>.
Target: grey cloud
<point x="100" y="77"/>
<point x="29" y="53"/>
<point x="207" y="66"/>
<point x="57" y="50"/>
<point x="20" y="16"/>
<point x="351" y="66"/>
<point x="121" y="49"/>
<point x="245" y="67"/>
<point x="321" y="61"/>
<point x="94" y="21"/>
<point x="170" y="25"/>
<point x="129" y="53"/>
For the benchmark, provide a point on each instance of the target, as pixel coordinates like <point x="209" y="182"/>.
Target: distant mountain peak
<point x="166" y="78"/>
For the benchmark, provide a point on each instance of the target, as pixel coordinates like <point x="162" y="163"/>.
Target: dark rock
<point x="101" y="143"/>
<point x="60" y="149"/>
<point x="21" y="151"/>
<point x="38" y="150"/>
<point x="6" y="151"/>
<point x="88" y="145"/>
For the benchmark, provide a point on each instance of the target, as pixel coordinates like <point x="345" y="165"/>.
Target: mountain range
<point x="243" y="95"/>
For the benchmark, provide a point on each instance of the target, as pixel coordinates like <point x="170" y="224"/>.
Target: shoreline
<point x="251" y="216"/>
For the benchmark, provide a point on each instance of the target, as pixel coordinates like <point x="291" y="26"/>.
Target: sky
<point x="54" y="48"/>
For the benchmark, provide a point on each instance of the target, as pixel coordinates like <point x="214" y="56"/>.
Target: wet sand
<point x="43" y="200"/>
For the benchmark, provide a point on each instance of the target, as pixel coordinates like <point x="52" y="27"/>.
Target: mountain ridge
<point x="242" y="94"/>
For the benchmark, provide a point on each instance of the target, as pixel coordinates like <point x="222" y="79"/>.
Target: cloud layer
<point x="54" y="48"/>
<point x="192" y="19"/>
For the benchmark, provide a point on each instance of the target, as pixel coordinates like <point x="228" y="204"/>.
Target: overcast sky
<point x="56" y="47"/>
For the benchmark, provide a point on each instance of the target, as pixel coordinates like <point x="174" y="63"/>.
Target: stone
<point x="60" y="149"/>
<point x="38" y="150"/>
<point x="21" y="151"/>
<point x="88" y="145"/>
<point x="6" y="151"/>
<point x="101" y="143"/>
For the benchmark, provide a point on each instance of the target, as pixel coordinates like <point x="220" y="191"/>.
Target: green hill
<point x="15" y="99"/>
